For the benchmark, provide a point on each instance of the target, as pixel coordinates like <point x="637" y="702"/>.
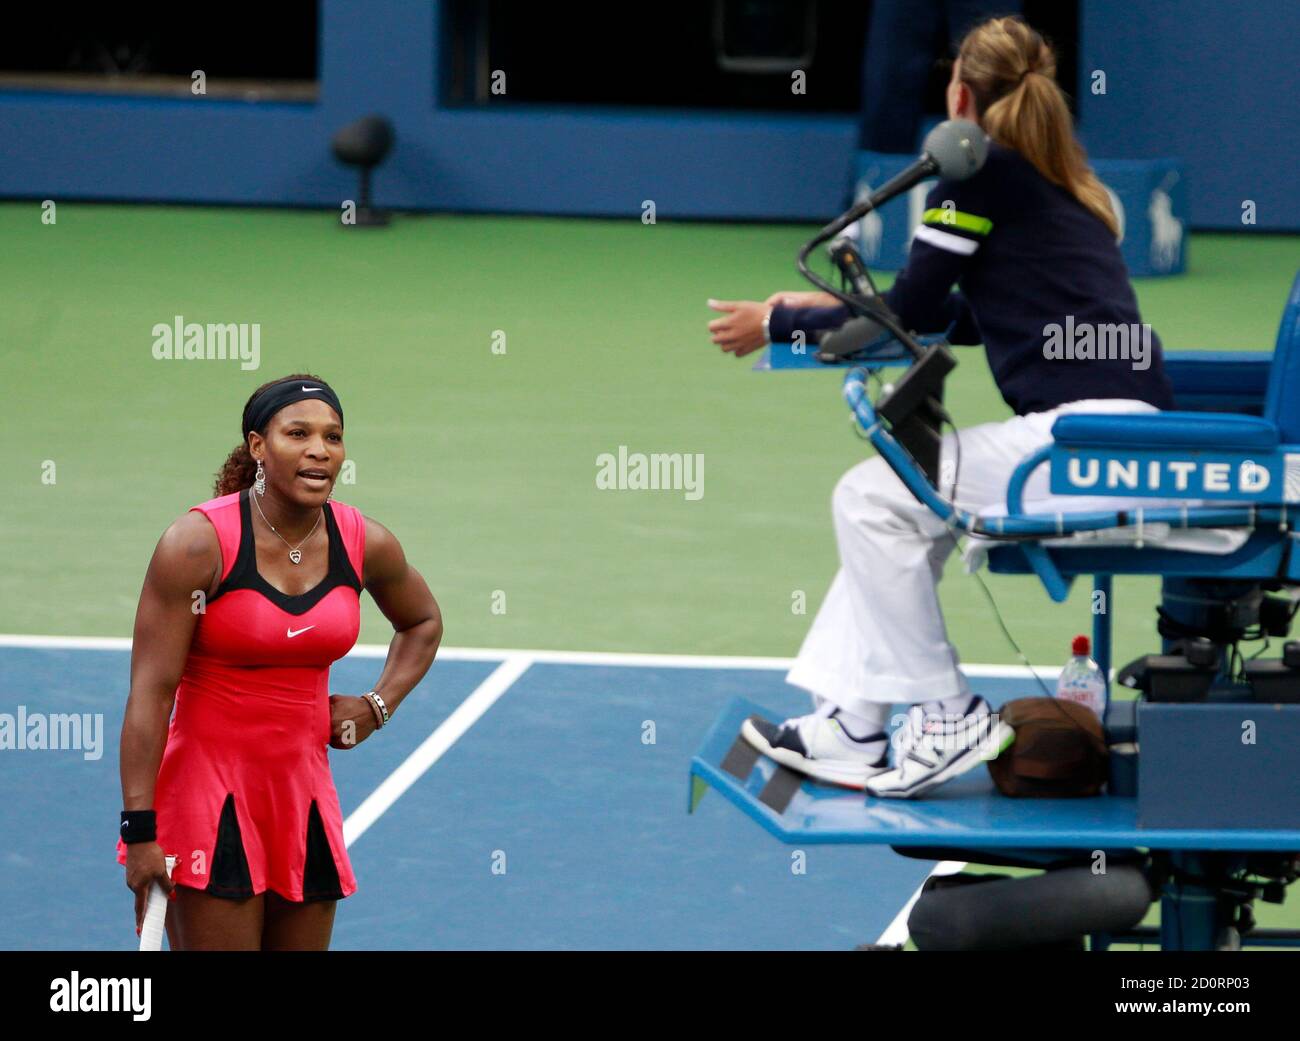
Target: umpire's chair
<point x="1235" y="438"/>
<point x="1233" y="449"/>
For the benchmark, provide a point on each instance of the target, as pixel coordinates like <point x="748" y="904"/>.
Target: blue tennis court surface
<point x="556" y="820"/>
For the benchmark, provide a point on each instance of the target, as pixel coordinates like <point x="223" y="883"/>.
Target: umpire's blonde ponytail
<point x="1011" y="71"/>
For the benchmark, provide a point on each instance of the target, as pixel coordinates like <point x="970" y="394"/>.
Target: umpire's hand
<point x="740" y="329"/>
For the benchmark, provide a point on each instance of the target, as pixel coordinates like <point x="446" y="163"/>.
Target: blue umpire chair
<point x="1203" y="807"/>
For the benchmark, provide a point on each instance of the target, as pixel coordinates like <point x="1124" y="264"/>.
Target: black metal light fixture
<point x="364" y="144"/>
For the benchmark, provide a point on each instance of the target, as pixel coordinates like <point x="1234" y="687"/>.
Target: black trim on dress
<point x="320" y="877"/>
<point x="244" y="574"/>
<point x="229" y="877"/>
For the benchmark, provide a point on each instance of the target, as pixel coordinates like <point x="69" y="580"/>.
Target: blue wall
<point x="1224" y="114"/>
<point x="382" y="56"/>
<point x="1216" y="82"/>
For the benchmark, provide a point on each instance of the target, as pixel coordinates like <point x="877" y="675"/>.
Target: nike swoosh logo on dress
<point x="291" y="633"/>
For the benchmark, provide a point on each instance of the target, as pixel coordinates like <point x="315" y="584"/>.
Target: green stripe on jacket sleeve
<point x="957" y="219"/>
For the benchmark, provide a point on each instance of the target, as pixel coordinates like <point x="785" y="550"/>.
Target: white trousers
<point x="879" y="636"/>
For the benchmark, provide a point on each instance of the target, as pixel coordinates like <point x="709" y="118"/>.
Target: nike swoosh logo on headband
<point x="311" y="388"/>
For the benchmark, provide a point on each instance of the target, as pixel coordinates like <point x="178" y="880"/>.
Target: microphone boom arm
<point x="874" y="307"/>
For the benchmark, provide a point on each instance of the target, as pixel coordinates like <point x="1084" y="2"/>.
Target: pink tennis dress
<point x="244" y="798"/>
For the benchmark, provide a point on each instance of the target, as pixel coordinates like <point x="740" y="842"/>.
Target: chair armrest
<point x="1217" y="431"/>
<point x="1219" y="381"/>
<point x="884" y="352"/>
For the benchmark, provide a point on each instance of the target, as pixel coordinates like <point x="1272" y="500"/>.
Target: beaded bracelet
<point x="378" y="704"/>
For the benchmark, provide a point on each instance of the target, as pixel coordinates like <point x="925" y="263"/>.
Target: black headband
<point x="258" y="412"/>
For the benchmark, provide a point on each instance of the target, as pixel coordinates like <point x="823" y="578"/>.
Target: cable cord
<point x="988" y="594"/>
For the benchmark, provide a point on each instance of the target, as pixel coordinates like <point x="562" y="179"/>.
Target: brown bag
<point x="1059" y="750"/>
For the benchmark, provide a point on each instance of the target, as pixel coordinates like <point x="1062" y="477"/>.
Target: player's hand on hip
<point x="352" y="720"/>
<point x="740" y="329"/>
<point x="145" y="865"/>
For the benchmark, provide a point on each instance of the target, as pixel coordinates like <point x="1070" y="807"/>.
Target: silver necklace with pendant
<point x="295" y="552"/>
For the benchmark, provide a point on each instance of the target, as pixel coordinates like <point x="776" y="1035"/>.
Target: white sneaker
<point x="933" y="749"/>
<point x="817" y="745"/>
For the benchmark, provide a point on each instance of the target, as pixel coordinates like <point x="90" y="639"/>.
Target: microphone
<point x="954" y="150"/>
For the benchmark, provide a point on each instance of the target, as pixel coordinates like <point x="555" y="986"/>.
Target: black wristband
<point x="139" y="826"/>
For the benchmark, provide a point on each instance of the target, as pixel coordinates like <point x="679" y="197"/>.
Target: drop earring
<point x="259" y="479"/>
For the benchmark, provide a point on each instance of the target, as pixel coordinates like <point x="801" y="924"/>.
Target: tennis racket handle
<point x="155" y="915"/>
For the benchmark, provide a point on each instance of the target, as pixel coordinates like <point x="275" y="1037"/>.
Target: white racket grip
<point x="155" y="914"/>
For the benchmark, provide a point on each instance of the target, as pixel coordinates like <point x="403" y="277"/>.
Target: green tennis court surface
<point x="484" y="463"/>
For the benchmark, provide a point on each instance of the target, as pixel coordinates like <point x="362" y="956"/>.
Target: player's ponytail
<point x="238" y="470"/>
<point x="1011" y="71"/>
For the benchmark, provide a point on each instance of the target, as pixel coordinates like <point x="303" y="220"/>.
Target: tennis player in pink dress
<point x="249" y="599"/>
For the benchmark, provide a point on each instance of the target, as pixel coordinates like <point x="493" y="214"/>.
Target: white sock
<point x="955" y="707"/>
<point x="863" y="733"/>
<point x="861" y="727"/>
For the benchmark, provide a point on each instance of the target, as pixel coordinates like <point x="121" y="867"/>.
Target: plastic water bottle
<point x="1081" y="680"/>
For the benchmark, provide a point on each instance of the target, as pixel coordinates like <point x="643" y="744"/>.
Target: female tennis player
<point x="248" y="600"/>
<point x="1030" y="240"/>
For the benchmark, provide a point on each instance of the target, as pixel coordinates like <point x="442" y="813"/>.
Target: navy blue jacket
<point x="1041" y="284"/>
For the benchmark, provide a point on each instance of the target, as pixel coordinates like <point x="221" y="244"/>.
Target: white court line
<point x="70" y="643"/>
<point x="612" y="658"/>
<point x="432" y="748"/>
<point x="896" y="934"/>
